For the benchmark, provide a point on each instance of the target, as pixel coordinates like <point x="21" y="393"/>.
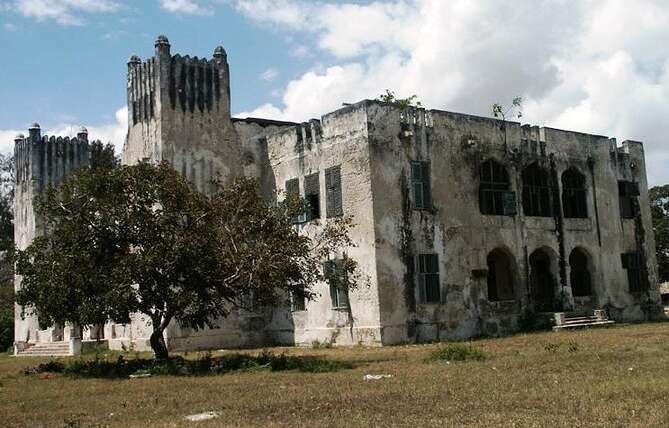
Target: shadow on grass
<point x="178" y="366"/>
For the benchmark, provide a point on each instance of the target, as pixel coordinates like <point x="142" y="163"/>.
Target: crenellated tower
<point x="179" y="111"/>
<point x="41" y="162"/>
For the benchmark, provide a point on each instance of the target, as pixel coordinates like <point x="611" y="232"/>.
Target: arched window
<point x="574" y="198"/>
<point x="580" y="275"/>
<point x="537" y="192"/>
<point x="500" y="276"/>
<point x="493" y="188"/>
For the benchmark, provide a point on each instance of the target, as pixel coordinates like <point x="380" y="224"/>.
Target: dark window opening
<point x="579" y="276"/>
<point x="500" y="276"/>
<point x="312" y="196"/>
<point x="297" y="301"/>
<point x="333" y="201"/>
<point x="335" y="275"/>
<point x="574" y="197"/>
<point x="628" y="192"/>
<point x="428" y="271"/>
<point x="420" y="183"/>
<point x="537" y="192"/>
<point x="633" y="263"/>
<point x="293" y="191"/>
<point x="494" y="195"/>
<point x="542" y="282"/>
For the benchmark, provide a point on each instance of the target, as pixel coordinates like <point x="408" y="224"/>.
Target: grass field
<point x="608" y="377"/>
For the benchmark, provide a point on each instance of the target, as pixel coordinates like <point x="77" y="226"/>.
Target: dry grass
<point x="612" y="377"/>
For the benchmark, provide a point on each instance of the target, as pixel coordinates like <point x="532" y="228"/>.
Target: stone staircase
<point x="50" y="349"/>
<point x="564" y="320"/>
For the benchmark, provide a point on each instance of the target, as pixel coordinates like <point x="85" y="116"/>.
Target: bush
<point x="458" y="352"/>
<point x="178" y="366"/>
<point x="6" y="330"/>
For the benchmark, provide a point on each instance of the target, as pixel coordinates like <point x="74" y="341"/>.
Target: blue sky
<point x="599" y="66"/>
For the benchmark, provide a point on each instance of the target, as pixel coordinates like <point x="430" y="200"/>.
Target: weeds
<point x="458" y="352"/>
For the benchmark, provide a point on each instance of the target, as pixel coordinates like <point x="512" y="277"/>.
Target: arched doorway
<point x="580" y="278"/>
<point x="500" y="276"/>
<point x="542" y="281"/>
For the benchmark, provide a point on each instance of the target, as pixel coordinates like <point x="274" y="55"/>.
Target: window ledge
<point x="340" y="308"/>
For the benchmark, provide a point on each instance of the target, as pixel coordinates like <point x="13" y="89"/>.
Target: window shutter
<point x="334" y="193"/>
<point x="509" y="201"/>
<point x="311" y="184"/>
<point x="427" y="194"/>
<point x="292" y="187"/>
<point x="633" y="189"/>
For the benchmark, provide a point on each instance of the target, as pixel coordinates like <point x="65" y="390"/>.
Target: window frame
<point x="574" y="194"/>
<point x="312" y="183"/>
<point x="420" y="184"/>
<point x="632" y="262"/>
<point x="428" y="272"/>
<point x="537" y="192"/>
<point x="627" y="196"/>
<point x="334" y="198"/>
<point x="338" y="292"/>
<point x="494" y="189"/>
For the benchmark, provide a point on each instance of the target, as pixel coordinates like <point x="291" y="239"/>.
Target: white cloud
<point x="64" y="12"/>
<point x="114" y="132"/>
<point x="269" y="75"/>
<point x="186" y="7"/>
<point x="8" y="26"/>
<point x="565" y="58"/>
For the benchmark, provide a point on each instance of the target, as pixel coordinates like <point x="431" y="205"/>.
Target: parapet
<point x="43" y="160"/>
<point x="181" y="83"/>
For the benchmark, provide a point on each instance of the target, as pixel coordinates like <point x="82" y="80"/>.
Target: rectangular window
<point x="628" y="192"/>
<point x="428" y="271"/>
<point x="336" y="278"/>
<point x="632" y="262"/>
<point x="333" y="192"/>
<point x="420" y="183"/>
<point x="312" y="195"/>
<point x="297" y="301"/>
<point x="293" y="190"/>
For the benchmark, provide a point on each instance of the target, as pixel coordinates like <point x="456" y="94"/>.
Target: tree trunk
<point x="158" y="344"/>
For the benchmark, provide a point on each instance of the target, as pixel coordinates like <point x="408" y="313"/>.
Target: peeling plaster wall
<point x="339" y="139"/>
<point x="456" y="145"/>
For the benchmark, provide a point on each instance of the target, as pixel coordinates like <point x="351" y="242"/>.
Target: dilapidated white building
<point x="464" y="225"/>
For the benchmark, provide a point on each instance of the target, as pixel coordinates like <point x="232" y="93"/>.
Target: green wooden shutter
<point x="312" y="195"/>
<point x="334" y="194"/>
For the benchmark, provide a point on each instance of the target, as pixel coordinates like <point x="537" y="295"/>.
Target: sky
<point x="597" y="66"/>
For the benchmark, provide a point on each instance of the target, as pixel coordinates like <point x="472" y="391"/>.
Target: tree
<point x="659" y="208"/>
<point x="139" y="238"/>
<point x="391" y="98"/>
<point x="501" y="112"/>
<point x="6" y="251"/>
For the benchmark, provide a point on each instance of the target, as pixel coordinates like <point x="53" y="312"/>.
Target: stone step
<point x="55" y="349"/>
<point x="580" y="319"/>
<point x="584" y="324"/>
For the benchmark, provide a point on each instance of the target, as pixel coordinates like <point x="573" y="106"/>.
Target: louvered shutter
<point x="334" y="193"/>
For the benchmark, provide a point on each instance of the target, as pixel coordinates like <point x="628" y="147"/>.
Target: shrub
<point x="6" y="330"/>
<point x="178" y="366"/>
<point x="458" y="352"/>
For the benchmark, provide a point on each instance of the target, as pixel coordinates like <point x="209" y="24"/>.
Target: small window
<point x="574" y="200"/>
<point x="537" y="198"/>
<point x="494" y="195"/>
<point x="312" y="196"/>
<point x="335" y="276"/>
<point x="333" y="192"/>
<point x="420" y="183"/>
<point x="293" y="190"/>
<point x="633" y="263"/>
<point x="628" y="192"/>
<point x="428" y="270"/>
<point x="297" y="301"/>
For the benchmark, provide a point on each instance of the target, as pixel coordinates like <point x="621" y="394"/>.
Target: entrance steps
<point x="46" y="349"/>
<point x="564" y="320"/>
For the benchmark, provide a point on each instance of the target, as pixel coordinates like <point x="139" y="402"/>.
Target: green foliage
<point x="391" y="98"/>
<point x="122" y="368"/>
<point x="317" y="344"/>
<point x="6" y="252"/>
<point x="127" y="239"/>
<point x="458" y="352"/>
<point x="659" y="208"/>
